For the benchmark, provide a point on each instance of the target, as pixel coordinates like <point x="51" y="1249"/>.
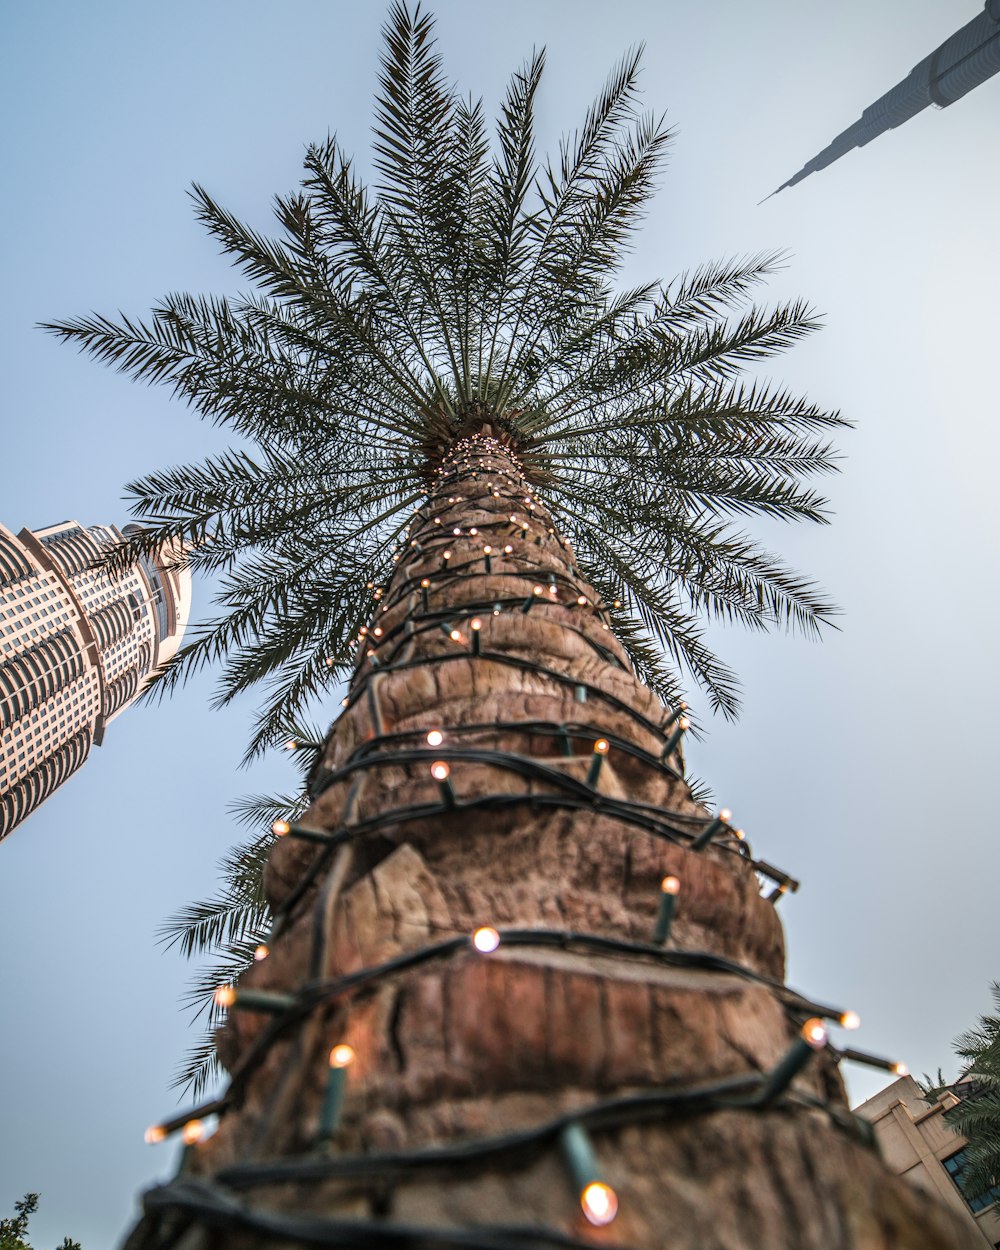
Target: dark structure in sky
<point x="962" y="62"/>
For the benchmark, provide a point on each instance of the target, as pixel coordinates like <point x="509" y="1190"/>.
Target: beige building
<point x="76" y="648"/>
<point x="916" y="1143"/>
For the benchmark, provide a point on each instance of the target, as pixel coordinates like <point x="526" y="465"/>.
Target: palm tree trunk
<point x="536" y="832"/>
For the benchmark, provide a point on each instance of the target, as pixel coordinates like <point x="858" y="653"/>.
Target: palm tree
<point x="516" y="973"/>
<point x="977" y="1114"/>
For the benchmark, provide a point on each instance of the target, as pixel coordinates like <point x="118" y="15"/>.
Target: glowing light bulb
<point x="486" y="939"/>
<point x="473" y="531"/>
<point x="513" y="519"/>
<point x="440" y="770"/>
<point x="370" y="585"/>
<point x="476" y="623"/>
<point x="434" y="737"/>
<point x="457" y="530"/>
<point x="341" y="1055"/>
<point x="524" y="525"/>
<point x="850" y="1020"/>
<point x="487" y="550"/>
<point x="582" y="600"/>
<point x="617" y="603"/>
<point x="602" y="746"/>
<point x="155" y="1133"/>
<point x="344" y="702"/>
<point x="670" y="885"/>
<point x="814" y="1033"/>
<point x="437" y="520"/>
<point x="446" y="555"/>
<point x="507" y="549"/>
<point x="900" y="1069"/>
<point x="684" y="723"/>
<point x="192" y="1132"/>
<point x="329" y="661"/>
<point x="291" y="744"/>
<point x="261" y="952"/>
<point x="538" y="590"/>
<point x="363" y="630"/>
<point x="224" y="996"/>
<point x="599" y="1203"/>
<point x="281" y="828"/>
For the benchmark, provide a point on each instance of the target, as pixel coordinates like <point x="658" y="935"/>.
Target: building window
<point x="954" y="1166"/>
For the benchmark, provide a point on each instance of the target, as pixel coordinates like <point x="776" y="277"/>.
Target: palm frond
<point x="383" y="322"/>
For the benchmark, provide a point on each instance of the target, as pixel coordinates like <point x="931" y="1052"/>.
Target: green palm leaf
<point x="472" y="282"/>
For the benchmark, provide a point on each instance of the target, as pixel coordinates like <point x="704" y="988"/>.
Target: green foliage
<point x="14" y="1231"/>
<point x="977" y="1116"/>
<point x="474" y="282"/>
<point x="228" y="927"/>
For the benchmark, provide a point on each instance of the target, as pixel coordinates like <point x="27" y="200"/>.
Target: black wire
<point x="532" y="666"/>
<point x="315" y="994"/>
<point x="218" y="1209"/>
<point x="578" y="795"/>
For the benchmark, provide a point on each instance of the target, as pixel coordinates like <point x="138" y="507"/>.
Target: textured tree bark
<point x="473" y="1046"/>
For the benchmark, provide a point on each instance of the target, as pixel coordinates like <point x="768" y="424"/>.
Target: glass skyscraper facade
<point x="77" y="646"/>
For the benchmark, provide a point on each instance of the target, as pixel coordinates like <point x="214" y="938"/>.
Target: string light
<point x="192" y="1132"/>
<point x="597" y="1199"/>
<point x="155" y="1133"/>
<point x="285" y="828"/>
<point x="261" y="952"/>
<point x="441" y="771"/>
<point x="229" y="997"/>
<point x="601" y="748"/>
<point x="716" y="826"/>
<point x="486" y="939"/>
<point x="850" y="1020"/>
<point x="670" y="887"/>
<point x="874" y="1061"/>
<point x="341" y="1057"/>
<point x="812" y="1037"/>
<point x="673" y="741"/>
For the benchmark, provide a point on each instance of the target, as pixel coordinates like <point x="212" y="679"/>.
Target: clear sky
<point x="862" y="765"/>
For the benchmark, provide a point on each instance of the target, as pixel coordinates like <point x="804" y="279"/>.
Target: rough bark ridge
<point x="473" y="1046"/>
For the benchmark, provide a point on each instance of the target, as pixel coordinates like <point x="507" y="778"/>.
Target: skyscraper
<point x="76" y="648"/>
<point x="964" y="61"/>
